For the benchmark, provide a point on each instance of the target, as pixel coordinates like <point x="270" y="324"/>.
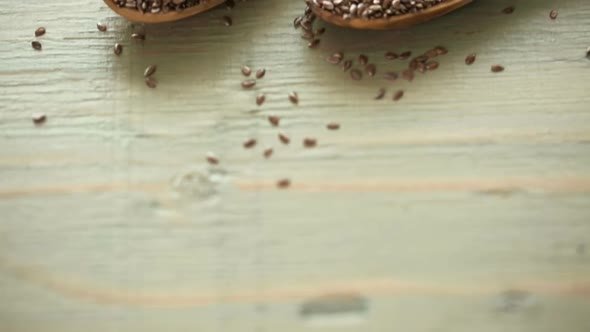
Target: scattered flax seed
<point x="260" y="73"/>
<point x="138" y="35"/>
<point x="274" y="120"/>
<point x="408" y="75"/>
<point x="433" y="53"/>
<point x="230" y="4"/>
<point x="391" y="56"/>
<point x="431" y="65"/>
<point x="333" y="126"/>
<point x="371" y="70"/>
<point x="284" y="138"/>
<point x="247" y="84"/>
<point x="39" y="32"/>
<point x="212" y="158"/>
<point x="310" y="142"/>
<point x="39" y="118"/>
<point x="151" y="82"/>
<point x="260" y="99"/>
<point x="150" y="70"/>
<point x="320" y="31"/>
<point x="380" y="94"/>
<point x="363" y="60"/>
<point x="314" y="43"/>
<point x="346" y="65"/>
<point x="405" y="55"/>
<point x="553" y="14"/>
<point x="335" y="58"/>
<point x="398" y="95"/>
<point x="308" y="35"/>
<point x="297" y="22"/>
<point x="356" y="74"/>
<point x="294" y="97"/>
<point x="36" y="45"/>
<point x="283" y="183"/>
<point x="227" y="21"/>
<point x="497" y="69"/>
<point x="391" y="76"/>
<point x="246" y="71"/>
<point x="470" y="59"/>
<point x="588" y="53"/>
<point x="508" y="10"/>
<point x="101" y="27"/>
<point x="267" y="152"/>
<point x="441" y="50"/>
<point x="249" y="143"/>
<point x="118" y="49"/>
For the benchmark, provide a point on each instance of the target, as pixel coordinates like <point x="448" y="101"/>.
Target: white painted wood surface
<point x="428" y="209"/>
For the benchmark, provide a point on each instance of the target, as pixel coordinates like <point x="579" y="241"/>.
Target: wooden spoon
<point x="392" y="22"/>
<point x="137" y="16"/>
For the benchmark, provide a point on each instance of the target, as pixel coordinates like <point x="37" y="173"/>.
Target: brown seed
<point x="553" y="14"/>
<point x="346" y="65"/>
<point x="431" y="65"/>
<point x="151" y="82"/>
<point x="284" y="138"/>
<point x="212" y="158"/>
<point x="405" y="55"/>
<point x="227" y="21"/>
<point x="39" y="118"/>
<point x="508" y="10"/>
<point x="310" y="142"/>
<point x="421" y="58"/>
<point x="101" y="27"/>
<point x="421" y="67"/>
<point x="441" y="50"/>
<point x="305" y="34"/>
<point x="363" y="59"/>
<point x="118" y="49"/>
<point x="249" y="143"/>
<point x="36" y="45"/>
<point x="138" y="35"/>
<point x="267" y="152"/>
<point x="371" y="70"/>
<point x="150" y="70"/>
<point x="380" y="94"/>
<point x="283" y="183"/>
<point x="294" y="97"/>
<point x="398" y="95"/>
<point x="247" y="84"/>
<point x="333" y="126"/>
<point x="320" y="31"/>
<point x="391" y="56"/>
<point x="497" y="69"/>
<point x="431" y="53"/>
<point x="314" y="43"/>
<point x="39" y="32"/>
<point x="470" y="59"/>
<point x="335" y="58"/>
<point x="260" y="99"/>
<point x="356" y="74"/>
<point x="274" y="120"/>
<point x="391" y="76"/>
<point x="246" y="71"/>
<point x="413" y="65"/>
<point x="588" y="53"/>
<point x="408" y="75"/>
<point x="230" y="4"/>
<point x="297" y="22"/>
<point x="260" y="73"/>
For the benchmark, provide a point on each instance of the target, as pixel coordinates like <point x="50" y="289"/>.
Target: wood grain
<point x="464" y="206"/>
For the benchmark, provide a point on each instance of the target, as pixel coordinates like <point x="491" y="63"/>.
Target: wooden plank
<point x="463" y="206"/>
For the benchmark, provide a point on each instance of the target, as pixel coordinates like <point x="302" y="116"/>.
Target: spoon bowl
<point x="136" y="16"/>
<point x="392" y="22"/>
